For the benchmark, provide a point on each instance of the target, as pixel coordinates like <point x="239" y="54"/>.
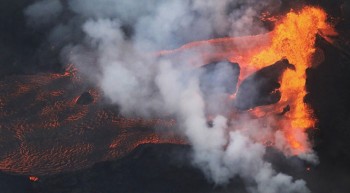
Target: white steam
<point x="121" y="64"/>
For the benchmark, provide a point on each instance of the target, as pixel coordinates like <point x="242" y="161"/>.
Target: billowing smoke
<point x="113" y="44"/>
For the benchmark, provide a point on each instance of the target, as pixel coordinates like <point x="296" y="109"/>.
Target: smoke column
<point x="111" y="43"/>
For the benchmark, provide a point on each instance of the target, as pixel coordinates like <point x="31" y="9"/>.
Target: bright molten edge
<point x="293" y="38"/>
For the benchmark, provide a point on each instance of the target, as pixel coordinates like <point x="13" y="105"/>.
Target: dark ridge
<point x="328" y="86"/>
<point x="261" y="88"/>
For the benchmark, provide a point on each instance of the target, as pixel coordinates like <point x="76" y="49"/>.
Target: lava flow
<point x="293" y="38"/>
<point x="51" y="123"/>
<point x="49" y="126"/>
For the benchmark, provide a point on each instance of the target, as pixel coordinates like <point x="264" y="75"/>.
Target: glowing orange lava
<point x="33" y="178"/>
<point x="293" y="38"/>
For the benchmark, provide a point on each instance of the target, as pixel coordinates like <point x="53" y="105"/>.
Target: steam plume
<point x="115" y="53"/>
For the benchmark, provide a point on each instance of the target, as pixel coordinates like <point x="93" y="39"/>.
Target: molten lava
<point x="44" y="130"/>
<point x="33" y="178"/>
<point x="293" y="38"/>
<point x="53" y="133"/>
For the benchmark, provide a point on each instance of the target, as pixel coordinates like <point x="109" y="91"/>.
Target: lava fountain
<point x="293" y="38"/>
